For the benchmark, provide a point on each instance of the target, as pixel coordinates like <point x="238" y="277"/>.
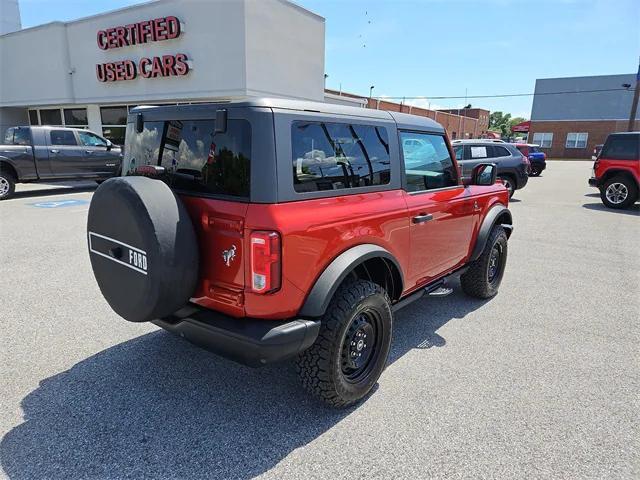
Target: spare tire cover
<point x="143" y="248"/>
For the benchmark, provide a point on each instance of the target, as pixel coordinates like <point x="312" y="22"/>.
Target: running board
<point x="429" y="290"/>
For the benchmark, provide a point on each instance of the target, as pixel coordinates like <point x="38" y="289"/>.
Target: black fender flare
<point x="496" y="214"/>
<point x="328" y="282"/>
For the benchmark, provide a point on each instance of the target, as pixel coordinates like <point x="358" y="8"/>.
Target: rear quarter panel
<point x="314" y="232"/>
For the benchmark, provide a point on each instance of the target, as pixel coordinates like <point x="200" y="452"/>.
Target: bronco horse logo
<point x="229" y="255"/>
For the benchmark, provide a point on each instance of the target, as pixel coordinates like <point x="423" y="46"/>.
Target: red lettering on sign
<point x="163" y="28"/>
<point x="182" y="67"/>
<point x="102" y="40"/>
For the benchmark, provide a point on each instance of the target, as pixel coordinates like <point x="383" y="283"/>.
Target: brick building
<point x="471" y="123"/>
<point x="480" y="114"/>
<point x="569" y="124"/>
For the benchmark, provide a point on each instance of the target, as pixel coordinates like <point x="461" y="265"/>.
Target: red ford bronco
<point x="616" y="171"/>
<point x="270" y="229"/>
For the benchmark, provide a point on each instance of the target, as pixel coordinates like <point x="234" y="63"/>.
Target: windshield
<point x="196" y="160"/>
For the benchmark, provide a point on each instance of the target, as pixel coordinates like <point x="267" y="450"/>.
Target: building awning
<point x="522" y="127"/>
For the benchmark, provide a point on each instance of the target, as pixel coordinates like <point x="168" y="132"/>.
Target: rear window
<point x="17" y="136"/>
<point x="196" y="159"/>
<point x="335" y="156"/>
<point x="621" y="147"/>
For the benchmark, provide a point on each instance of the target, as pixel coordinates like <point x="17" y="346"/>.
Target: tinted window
<point x="334" y="156"/>
<point x="62" y="137"/>
<point x="51" y="117"/>
<point x="499" y="151"/>
<point x="75" y="116"/>
<point x="458" y="151"/>
<point x="427" y="162"/>
<point x="196" y="159"/>
<point x="114" y="115"/>
<point x="621" y="147"/>
<point x="89" y="139"/>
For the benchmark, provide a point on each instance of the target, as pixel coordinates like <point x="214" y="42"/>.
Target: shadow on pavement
<point x="55" y="191"/>
<point x="632" y="210"/>
<point x="157" y="407"/>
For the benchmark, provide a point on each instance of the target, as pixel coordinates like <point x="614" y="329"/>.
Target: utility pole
<point x="634" y="103"/>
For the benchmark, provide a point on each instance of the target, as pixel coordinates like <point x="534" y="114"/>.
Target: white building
<point x="88" y="72"/>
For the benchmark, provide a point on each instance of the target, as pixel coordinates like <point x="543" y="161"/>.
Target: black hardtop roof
<point x="403" y="120"/>
<point x="623" y="133"/>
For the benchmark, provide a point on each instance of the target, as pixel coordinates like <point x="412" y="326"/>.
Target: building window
<point x="75" y="117"/>
<point x="114" y="123"/>
<point x="51" y="116"/>
<point x="33" y="117"/>
<point x="543" y="139"/>
<point x="576" y="140"/>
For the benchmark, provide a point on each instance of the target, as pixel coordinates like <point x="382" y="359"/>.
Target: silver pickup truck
<point x="46" y="154"/>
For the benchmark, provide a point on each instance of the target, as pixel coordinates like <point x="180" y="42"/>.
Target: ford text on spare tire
<point x="270" y="229"/>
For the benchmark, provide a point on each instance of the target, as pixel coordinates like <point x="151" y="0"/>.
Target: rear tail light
<point x="266" y="261"/>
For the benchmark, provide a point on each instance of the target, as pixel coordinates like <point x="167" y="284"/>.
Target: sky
<point x="435" y="48"/>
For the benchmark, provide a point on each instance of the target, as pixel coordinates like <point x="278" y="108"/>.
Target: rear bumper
<point x="593" y="182"/>
<point x="248" y="341"/>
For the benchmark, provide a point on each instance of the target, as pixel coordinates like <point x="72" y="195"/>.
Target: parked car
<point x="269" y="229"/>
<point x="537" y="158"/>
<point x="616" y="171"/>
<point x="513" y="166"/>
<point x="596" y="151"/>
<point x="44" y="154"/>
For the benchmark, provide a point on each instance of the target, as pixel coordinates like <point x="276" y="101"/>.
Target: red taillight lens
<point x="266" y="261"/>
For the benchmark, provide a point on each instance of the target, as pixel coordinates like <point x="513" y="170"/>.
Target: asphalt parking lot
<point x="540" y="382"/>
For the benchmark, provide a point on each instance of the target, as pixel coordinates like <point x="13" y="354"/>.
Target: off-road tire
<point x="321" y="367"/>
<point x="511" y="182"/>
<point x="7" y="184"/>
<point x="631" y="190"/>
<point x="476" y="281"/>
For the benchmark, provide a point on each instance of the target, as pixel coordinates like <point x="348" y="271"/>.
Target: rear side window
<point x="427" y="162"/>
<point x="336" y="156"/>
<point x="498" y="151"/>
<point x="479" y="151"/>
<point x="196" y="159"/>
<point x="62" y="137"/>
<point x="621" y="147"/>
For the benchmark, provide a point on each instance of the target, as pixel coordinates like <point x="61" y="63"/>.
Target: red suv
<point x="269" y="229"/>
<point x="616" y="171"/>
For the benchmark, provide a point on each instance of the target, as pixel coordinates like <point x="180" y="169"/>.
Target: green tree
<point x="499" y="122"/>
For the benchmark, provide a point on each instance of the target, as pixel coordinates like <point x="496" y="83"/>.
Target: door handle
<point x="54" y="150"/>
<point x="423" y="217"/>
<point x="88" y="152"/>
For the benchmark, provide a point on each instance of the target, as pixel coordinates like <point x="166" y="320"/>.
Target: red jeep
<point x="268" y="229"/>
<point x="616" y="171"/>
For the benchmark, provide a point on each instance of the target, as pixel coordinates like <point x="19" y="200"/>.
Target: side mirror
<point x="484" y="174"/>
<point x="109" y="145"/>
